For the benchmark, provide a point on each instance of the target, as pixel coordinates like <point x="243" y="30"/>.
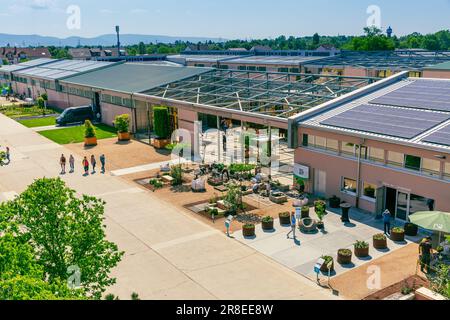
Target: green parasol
<point x="432" y="220"/>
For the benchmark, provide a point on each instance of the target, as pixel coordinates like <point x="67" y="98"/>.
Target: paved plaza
<point x="168" y="254"/>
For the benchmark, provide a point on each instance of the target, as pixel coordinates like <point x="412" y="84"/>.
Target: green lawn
<point x="39" y="122"/>
<point x="15" y="111"/>
<point x="76" y="134"/>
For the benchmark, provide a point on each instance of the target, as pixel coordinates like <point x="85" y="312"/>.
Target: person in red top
<point x="62" y="162"/>
<point x="86" y="166"/>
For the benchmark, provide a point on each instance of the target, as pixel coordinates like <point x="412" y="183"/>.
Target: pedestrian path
<point x="146" y="167"/>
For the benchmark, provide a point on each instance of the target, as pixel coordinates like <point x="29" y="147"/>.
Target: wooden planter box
<point x="248" y="232"/>
<point x="278" y="199"/>
<point x="88" y="142"/>
<point x="305" y="213"/>
<point x="344" y="260"/>
<point x="284" y="221"/>
<point x="361" y="252"/>
<point x="267" y="226"/>
<point x="397" y="236"/>
<point x="380" y="244"/>
<point x="160" y="143"/>
<point x="411" y="230"/>
<point x="124" y="136"/>
<point x="335" y="203"/>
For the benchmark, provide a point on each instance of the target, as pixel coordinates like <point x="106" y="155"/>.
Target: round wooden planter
<point x="361" y="252"/>
<point x="124" y="136"/>
<point x="411" y="230"/>
<point x="90" y="141"/>
<point x="248" y="232"/>
<point x="344" y="259"/>
<point x="267" y="226"/>
<point x="324" y="268"/>
<point x="380" y="244"/>
<point x="284" y="221"/>
<point x="397" y="236"/>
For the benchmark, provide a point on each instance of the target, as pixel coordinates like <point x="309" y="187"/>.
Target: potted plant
<point x="320" y="208"/>
<point x="398" y="234"/>
<point x="305" y="212"/>
<point x="161" y="127"/>
<point x="345" y="256"/>
<point x="156" y="184"/>
<point x="411" y="230"/>
<point x="248" y="230"/>
<point x="285" y="218"/>
<point x="380" y="241"/>
<point x="176" y="172"/>
<point x="122" y="124"/>
<point x="267" y="223"/>
<point x="335" y="202"/>
<point x="328" y="265"/>
<point x="90" y="137"/>
<point x="361" y="249"/>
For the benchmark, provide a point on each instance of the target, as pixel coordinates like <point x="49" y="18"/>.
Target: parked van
<point x="75" y="115"/>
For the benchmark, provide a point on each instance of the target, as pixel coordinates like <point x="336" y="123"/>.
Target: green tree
<point x="66" y="231"/>
<point x="316" y="39"/>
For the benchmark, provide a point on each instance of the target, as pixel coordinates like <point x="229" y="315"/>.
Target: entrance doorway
<point x="398" y="203"/>
<point x="391" y="200"/>
<point x="320" y="183"/>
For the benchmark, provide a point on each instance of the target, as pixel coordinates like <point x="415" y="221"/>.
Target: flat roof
<point x="134" y="77"/>
<point x="406" y="122"/>
<point x="208" y="58"/>
<point x="266" y="94"/>
<point x="25" y="65"/>
<point x="59" y="69"/>
<point x="393" y="60"/>
<point x="441" y="66"/>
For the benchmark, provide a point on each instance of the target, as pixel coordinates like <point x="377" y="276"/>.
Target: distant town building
<point x="261" y="49"/>
<point x="16" y="55"/>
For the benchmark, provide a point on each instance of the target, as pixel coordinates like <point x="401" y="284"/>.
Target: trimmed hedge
<point x="161" y="122"/>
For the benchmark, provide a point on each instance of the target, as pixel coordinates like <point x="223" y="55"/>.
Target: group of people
<point x="86" y="164"/>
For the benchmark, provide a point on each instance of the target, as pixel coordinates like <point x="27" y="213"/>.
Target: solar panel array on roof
<point x="25" y="65"/>
<point x="395" y="122"/>
<point x="440" y="137"/>
<point x="422" y="94"/>
<point x="275" y="60"/>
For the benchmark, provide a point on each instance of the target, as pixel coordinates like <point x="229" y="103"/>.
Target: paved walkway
<point x="301" y="255"/>
<point x="169" y="255"/>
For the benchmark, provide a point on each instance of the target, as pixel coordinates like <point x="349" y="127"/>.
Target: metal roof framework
<point x="394" y="60"/>
<point x="273" y="94"/>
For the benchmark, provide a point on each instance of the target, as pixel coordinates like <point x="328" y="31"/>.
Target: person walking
<point x="8" y="155"/>
<point x="103" y="162"/>
<point x="228" y="225"/>
<point x="93" y="164"/>
<point x="72" y="163"/>
<point x="62" y="162"/>
<point x="425" y="248"/>
<point x="86" y="166"/>
<point x="293" y="226"/>
<point x="387" y="222"/>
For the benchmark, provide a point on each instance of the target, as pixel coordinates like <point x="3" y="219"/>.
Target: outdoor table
<point x="345" y="212"/>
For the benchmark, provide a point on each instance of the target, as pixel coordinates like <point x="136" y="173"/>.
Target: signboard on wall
<point x="301" y="171"/>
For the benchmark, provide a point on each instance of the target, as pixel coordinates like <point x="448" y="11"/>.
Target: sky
<point x="227" y="19"/>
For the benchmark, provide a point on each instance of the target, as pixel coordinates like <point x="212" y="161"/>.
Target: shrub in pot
<point x="335" y="202"/>
<point x="361" y="249"/>
<point x="305" y="212"/>
<point x="161" y="127"/>
<point x="411" y="230"/>
<point x="345" y="256"/>
<point x="328" y="260"/>
<point x="380" y="241"/>
<point x="398" y="234"/>
<point x="90" y="137"/>
<point x="267" y="223"/>
<point x="320" y="208"/>
<point x="285" y="218"/>
<point x="122" y="124"/>
<point x="248" y="230"/>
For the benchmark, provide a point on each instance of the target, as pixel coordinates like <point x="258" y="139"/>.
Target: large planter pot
<point x="380" y="244"/>
<point x="344" y="259"/>
<point x="362" y="252"/>
<point x="285" y="220"/>
<point x="248" y="231"/>
<point x="305" y="212"/>
<point x="335" y="203"/>
<point x="325" y="269"/>
<point x="397" y="236"/>
<point x="160" y="143"/>
<point x="267" y="225"/>
<point x="321" y="225"/>
<point x="411" y="230"/>
<point x="88" y="142"/>
<point x="124" y="136"/>
<point x="308" y="225"/>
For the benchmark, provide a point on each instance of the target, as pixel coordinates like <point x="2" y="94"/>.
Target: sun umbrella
<point x="432" y="220"/>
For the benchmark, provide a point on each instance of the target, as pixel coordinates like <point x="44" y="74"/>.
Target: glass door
<point x="403" y="203"/>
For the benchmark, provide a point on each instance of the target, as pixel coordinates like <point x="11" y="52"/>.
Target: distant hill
<point x="103" y="40"/>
